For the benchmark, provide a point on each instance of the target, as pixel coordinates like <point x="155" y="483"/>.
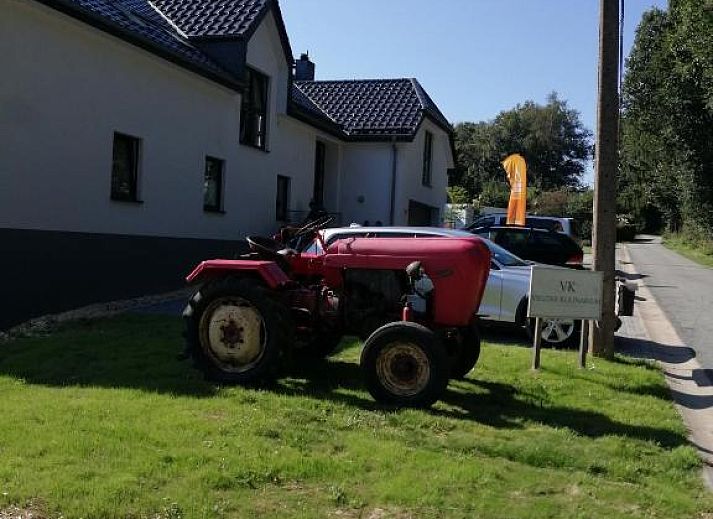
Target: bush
<point x="568" y="204"/>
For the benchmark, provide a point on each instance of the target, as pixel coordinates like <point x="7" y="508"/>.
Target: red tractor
<point x="413" y="300"/>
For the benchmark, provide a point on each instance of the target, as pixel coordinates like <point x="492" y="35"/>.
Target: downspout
<point x="394" y="164"/>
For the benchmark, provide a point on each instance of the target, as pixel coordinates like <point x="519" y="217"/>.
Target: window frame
<point x="218" y="207"/>
<point x="248" y="112"/>
<point x="281" y="214"/>
<point x="427" y="171"/>
<point x="135" y="173"/>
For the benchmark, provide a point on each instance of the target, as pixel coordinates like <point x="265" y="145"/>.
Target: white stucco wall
<point x="367" y="171"/>
<point x="291" y="143"/>
<point x="410" y="171"/>
<point x="73" y="86"/>
<point x="366" y="182"/>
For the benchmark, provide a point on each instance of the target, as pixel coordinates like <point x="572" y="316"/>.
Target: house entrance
<point x="421" y="214"/>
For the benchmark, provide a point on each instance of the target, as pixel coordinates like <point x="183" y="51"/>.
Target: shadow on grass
<point x="488" y="403"/>
<point x="505" y="335"/>
<point x="141" y="354"/>
<point x="135" y="352"/>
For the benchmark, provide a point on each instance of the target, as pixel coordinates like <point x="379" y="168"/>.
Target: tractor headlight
<point x="423" y="286"/>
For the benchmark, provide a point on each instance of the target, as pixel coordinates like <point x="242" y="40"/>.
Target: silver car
<point x="505" y="297"/>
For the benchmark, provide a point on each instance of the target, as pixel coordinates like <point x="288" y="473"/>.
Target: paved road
<point x="682" y="288"/>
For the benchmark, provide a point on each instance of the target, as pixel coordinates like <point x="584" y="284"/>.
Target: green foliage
<point x="494" y="194"/>
<point x="666" y="175"/>
<point x="551" y="138"/>
<point x="458" y="195"/>
<point x="694" y="245"/>
<point x="569" y="203"/>
<point x="100" y="421"/>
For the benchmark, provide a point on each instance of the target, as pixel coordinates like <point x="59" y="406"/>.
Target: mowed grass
<point x="100" y="420"/>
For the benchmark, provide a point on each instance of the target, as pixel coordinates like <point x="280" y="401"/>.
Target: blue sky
<point x="474" y="57"/>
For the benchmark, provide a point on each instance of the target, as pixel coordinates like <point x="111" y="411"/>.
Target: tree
<point x="666" y="173"/>
<point x="551" y="137"/>
<point x="458" y="195"/>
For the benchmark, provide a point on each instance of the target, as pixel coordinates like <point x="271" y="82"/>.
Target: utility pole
<point x="606" y="164"/>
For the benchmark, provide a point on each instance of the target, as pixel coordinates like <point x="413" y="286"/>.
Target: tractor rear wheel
<point x="464" y="351"/>
<point x="236" y="332"/>
<point x="405" y="364"/>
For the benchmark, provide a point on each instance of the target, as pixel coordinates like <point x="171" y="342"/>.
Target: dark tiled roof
<point x="363" y="108"/>
<point x="212" y="18"/>
<point x="138" y="20"/>
<point x="351" y="109"/>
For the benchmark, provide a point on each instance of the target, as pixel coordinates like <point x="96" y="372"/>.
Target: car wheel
<point x="557" y="332"/>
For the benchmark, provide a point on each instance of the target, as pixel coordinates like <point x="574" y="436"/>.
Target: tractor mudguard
<point x="268" y="271"/>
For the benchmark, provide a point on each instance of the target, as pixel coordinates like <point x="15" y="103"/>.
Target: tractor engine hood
<point x="458" y="267"/>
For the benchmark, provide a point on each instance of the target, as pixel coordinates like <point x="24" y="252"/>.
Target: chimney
<point x="304" y="68"/>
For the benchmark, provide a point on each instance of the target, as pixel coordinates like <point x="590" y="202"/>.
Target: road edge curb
<point x="705" y="452"/>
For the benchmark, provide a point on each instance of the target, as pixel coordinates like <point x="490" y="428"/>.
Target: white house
<point x="140" y="136"/>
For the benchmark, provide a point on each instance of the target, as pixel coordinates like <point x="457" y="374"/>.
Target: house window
<point x="282" y="200"/>
<point x="253" y="110"/>
<point x="427" y="159"/>
<point x="213" y="185"/>
<point x="125" y="168"/>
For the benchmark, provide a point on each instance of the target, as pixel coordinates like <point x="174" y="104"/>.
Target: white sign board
<point x="561" y="293"/>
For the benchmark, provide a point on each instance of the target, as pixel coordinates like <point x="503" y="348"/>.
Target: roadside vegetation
<point x="100" y="420"/>
<point x="667" y="139"/>
<point x="556" y="146"/>
<point x="698" y="249"/>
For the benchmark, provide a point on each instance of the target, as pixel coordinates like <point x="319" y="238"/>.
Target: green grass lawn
<point x="698" y="252"/>
<point x="100" y="421"/>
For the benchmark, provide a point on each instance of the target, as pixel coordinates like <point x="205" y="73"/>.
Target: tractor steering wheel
<point x="314" y="225"/>
<point x="265" y="246"/>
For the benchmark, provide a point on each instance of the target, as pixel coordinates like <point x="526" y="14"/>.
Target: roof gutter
<point x="394" y="165"/>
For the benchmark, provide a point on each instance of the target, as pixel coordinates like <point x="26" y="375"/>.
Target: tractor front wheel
<point x="405" y="364"/>
<point x="236" y="333"/>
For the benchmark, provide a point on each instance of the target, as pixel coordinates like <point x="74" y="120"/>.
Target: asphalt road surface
<point x="683" y="290"/>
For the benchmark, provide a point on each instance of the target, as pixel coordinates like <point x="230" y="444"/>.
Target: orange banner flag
<point x="516" y="170"/>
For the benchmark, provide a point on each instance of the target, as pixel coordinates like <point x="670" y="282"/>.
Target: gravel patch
<point x="46" y="324"/>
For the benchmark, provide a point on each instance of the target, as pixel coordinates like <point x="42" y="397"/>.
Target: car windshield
<point x="505" y="258"/>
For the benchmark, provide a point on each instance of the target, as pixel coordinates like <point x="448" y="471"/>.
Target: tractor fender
<point x="269" y="271"/>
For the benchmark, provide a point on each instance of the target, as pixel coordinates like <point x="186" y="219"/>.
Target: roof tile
<point x="212" y="18"/>
<point x="370" y="107"/>
<point x="138" y="17"/>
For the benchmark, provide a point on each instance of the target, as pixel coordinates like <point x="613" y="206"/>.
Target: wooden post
<point x="537" y="343"/>
<point x="606" y="161"/>
<point x="583" y="346"/>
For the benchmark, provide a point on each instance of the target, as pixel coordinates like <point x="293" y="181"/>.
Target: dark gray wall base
<point x="47" y="272"/>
